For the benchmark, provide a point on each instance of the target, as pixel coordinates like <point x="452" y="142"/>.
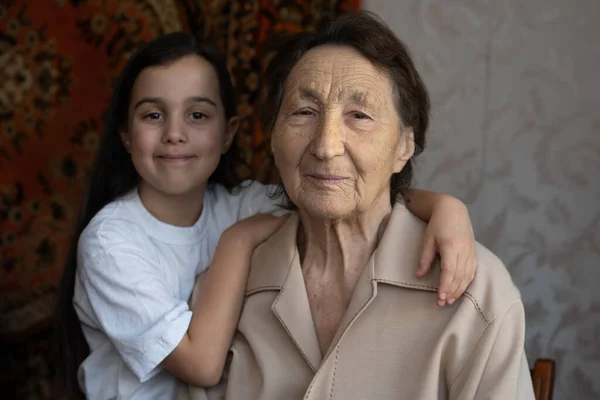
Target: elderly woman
<point x="333" y="309"/>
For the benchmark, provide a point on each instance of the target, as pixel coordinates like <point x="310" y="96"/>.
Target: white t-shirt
<point x="135" y="275"/>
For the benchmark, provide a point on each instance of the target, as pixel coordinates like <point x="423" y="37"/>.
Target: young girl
<point x="163" y="191"/>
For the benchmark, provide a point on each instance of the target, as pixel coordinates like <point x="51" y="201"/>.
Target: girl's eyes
<point x="153" y="116"/>
<point x="198" y="115"/>
<point x="157" y="116"/>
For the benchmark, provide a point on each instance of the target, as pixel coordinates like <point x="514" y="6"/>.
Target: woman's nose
<point x="328" y="141"/>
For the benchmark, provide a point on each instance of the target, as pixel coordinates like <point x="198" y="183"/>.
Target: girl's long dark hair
<point x="113" y="175"/>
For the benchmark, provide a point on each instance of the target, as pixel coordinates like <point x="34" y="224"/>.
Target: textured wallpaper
<point x="515" y="86"/>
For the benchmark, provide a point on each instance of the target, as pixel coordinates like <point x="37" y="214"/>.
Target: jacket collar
<point x="395" y="260"/>
<point x="275" y="266"/>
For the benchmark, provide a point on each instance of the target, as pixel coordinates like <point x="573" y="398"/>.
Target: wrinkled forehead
<point x="339" y="74"/>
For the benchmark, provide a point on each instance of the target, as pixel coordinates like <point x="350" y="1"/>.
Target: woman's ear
<point x="126" y="140"/>
<point x="405" y="149"/>
<point x="232" y="127"/>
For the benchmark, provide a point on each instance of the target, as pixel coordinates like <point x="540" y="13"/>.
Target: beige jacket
<point x="394" y="341"/>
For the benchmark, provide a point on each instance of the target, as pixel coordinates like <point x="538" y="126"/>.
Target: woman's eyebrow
<point x="310" y="94"/>
<point x="359" y="97"/>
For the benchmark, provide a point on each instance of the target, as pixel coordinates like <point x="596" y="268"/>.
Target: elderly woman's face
<point x="338" y="137"/>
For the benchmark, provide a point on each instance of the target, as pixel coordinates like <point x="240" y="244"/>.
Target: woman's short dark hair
<point x="114" y="174"/>
<point x="375" y="41"/>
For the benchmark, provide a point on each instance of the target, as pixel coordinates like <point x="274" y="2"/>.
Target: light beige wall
<point x="516" y="134"/>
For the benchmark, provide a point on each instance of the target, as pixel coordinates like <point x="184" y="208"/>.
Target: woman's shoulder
<point x="493" y="289"/>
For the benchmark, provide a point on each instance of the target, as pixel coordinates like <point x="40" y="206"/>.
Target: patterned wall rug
<point x="58" y="62"/>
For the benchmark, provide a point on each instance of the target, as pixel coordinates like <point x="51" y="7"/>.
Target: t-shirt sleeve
<point x="130" y="294"/>
<point x="257" y="198"/>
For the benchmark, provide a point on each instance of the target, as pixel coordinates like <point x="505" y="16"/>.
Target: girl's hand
<point x="254" y="230"/>
<point x="450" y="234"/>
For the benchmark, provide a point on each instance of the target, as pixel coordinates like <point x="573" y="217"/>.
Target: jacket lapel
<point x="293" y="311"/>
<point x="276" y="266"/>
<point x="394" y="262"/>
<point x="364" y="292"/>
<point x="399" y="250"/>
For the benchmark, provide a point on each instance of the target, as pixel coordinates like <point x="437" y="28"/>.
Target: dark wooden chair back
<point x="542" y="375"/>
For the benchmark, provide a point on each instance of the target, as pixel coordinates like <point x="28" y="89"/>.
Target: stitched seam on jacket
<point x="312" y="384"/>
<point x="508" y="307"/>
<point x="434" y="289"/>
<point x="298" y="347"/>
<point x="479" y="310"/>
<point x="339" y="342"/>
<point x="263" y="289"/>
<point x="337" y="353"/>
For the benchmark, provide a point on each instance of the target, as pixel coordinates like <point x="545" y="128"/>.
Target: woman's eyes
<point x="360" y="115"/>
<point x="304" y="112"/>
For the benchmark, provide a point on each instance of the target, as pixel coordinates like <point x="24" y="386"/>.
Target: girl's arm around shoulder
<point x="248" y="199"/>
<point x="199" y="358"/>
<point x="449" y="233"/>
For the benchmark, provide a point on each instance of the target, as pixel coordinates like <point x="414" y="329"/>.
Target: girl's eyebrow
<point x="156" y="100"/>
<point x="151" y="100"/>
<point x="203" y="99"/>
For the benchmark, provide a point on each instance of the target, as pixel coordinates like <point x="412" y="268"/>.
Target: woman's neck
<point x="342" y="247"/>
<point x="177" y="210"/>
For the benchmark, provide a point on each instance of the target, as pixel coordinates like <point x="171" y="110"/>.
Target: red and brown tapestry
<point x="58" y="62"/>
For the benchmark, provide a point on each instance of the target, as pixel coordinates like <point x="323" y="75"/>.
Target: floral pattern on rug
<point x="58" y="62"/>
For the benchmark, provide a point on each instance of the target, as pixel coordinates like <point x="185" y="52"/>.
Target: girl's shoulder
<point x="116" y="223"/>
<point x="247" y="199"/>
<point x="246" y="188"/>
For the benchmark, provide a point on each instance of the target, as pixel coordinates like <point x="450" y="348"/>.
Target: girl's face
<point x="177" y="129"/>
